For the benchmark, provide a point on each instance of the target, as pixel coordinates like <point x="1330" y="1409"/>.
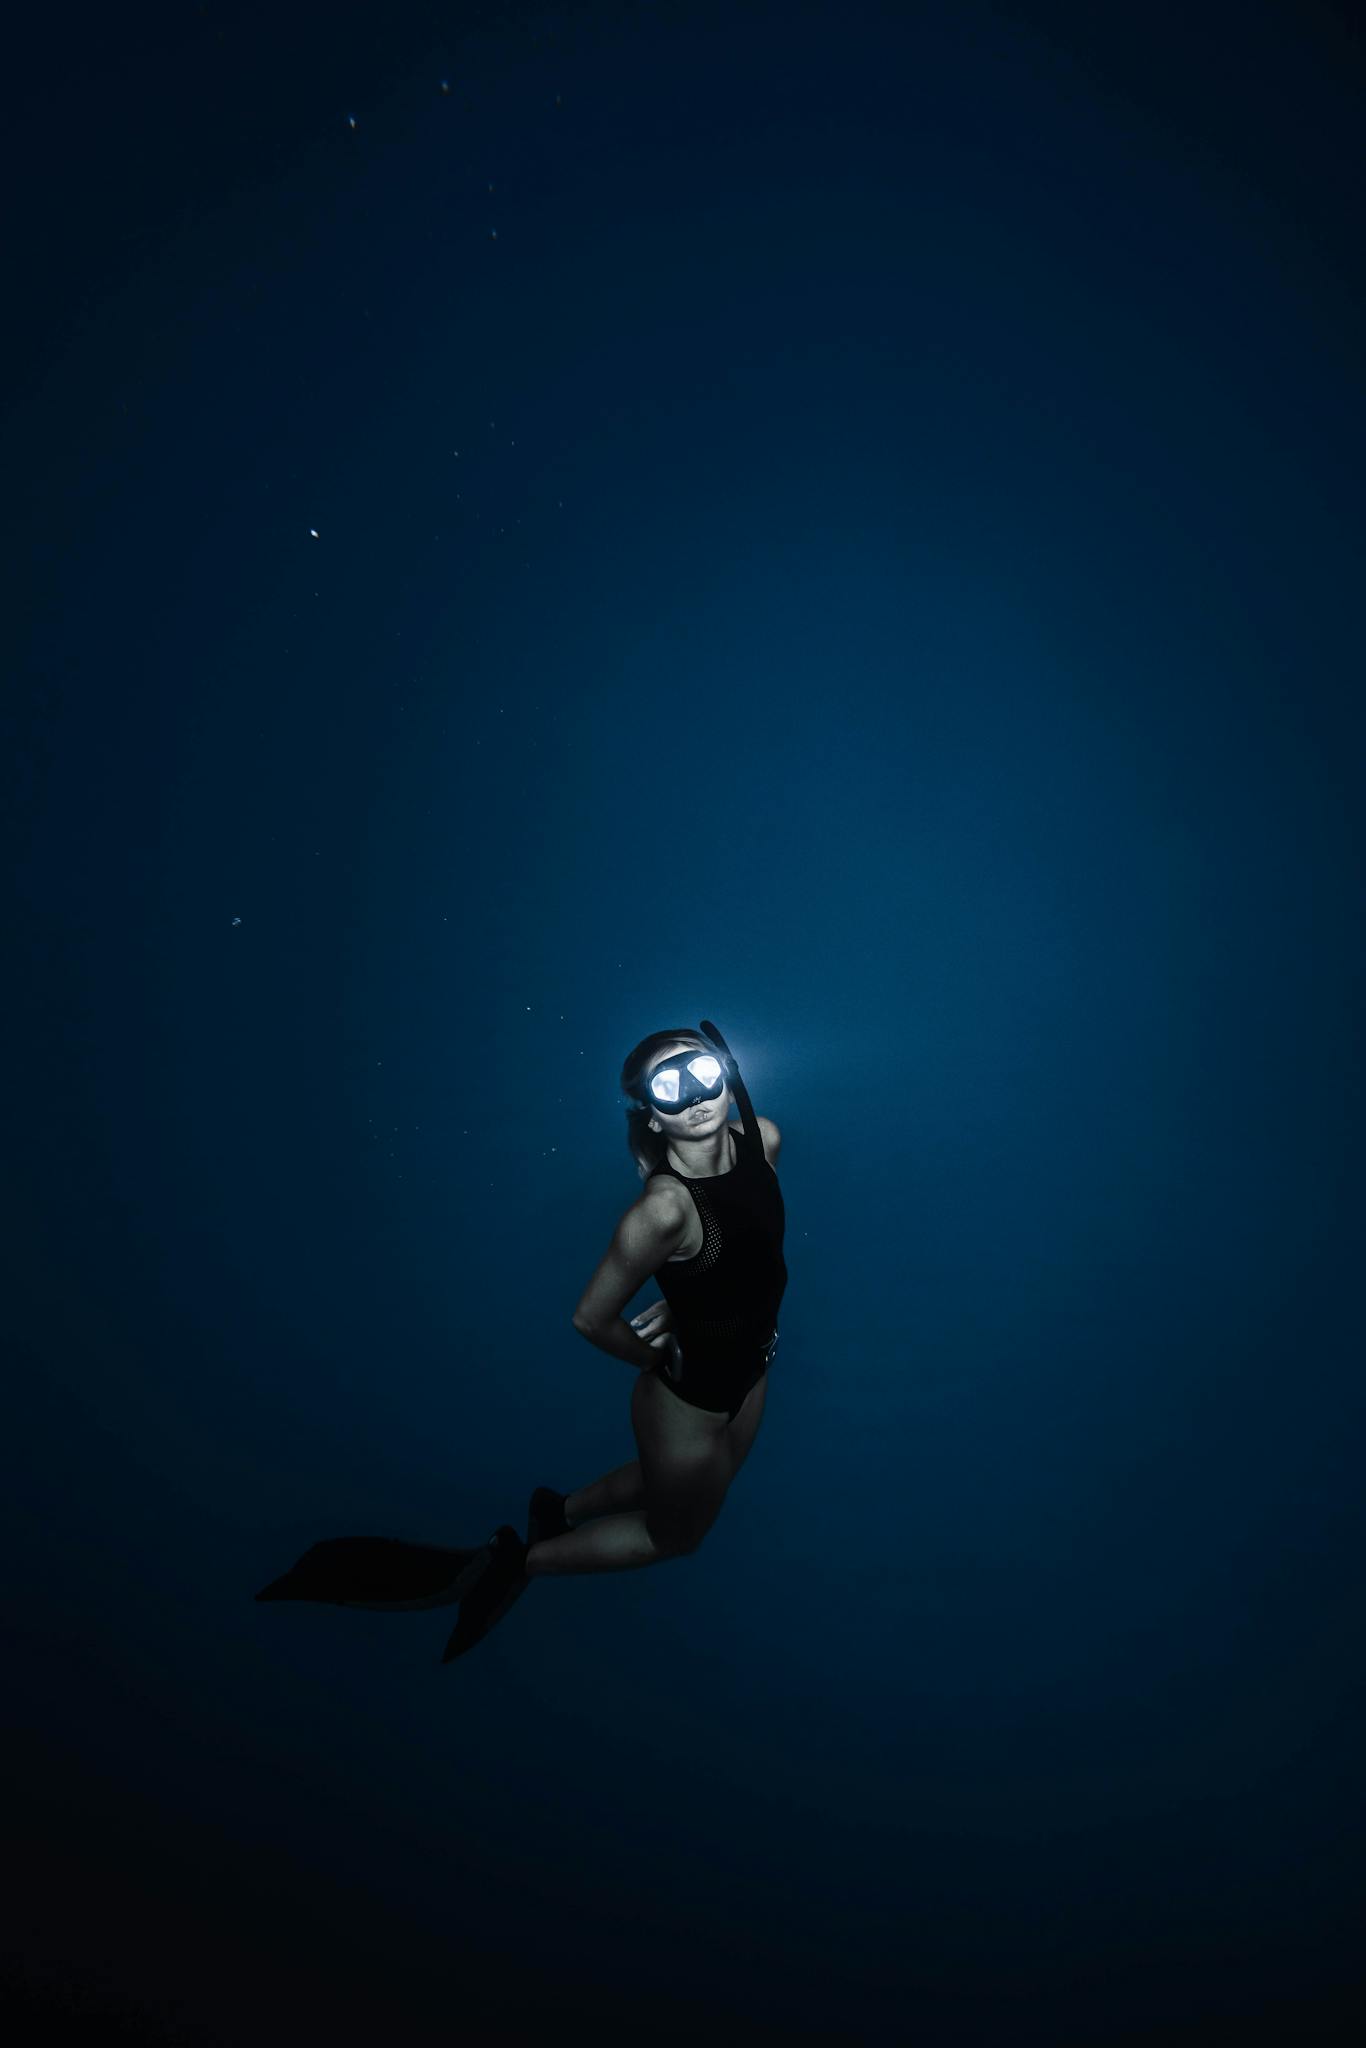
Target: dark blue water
<point x="841" y="520"/>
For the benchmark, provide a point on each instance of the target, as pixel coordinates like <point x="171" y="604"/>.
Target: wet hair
<point x="648" y="1147"/>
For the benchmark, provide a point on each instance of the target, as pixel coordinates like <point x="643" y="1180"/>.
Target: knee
<point x="670" y="1537"/>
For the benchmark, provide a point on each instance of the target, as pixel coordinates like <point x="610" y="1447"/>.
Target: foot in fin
<point x="501" y="1582"/>
<point x="382" y="1573"/>
<point x="545" y="1516"/>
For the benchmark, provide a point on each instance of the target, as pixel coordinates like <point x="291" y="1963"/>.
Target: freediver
<point x="708" y="1227"/>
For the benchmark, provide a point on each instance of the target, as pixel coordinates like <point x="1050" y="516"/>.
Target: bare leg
<point x="620" y="1542"/>
<point x="610" y="1495"/>
<point x="690" y="1463"/>
<point x="616" y="1543"/>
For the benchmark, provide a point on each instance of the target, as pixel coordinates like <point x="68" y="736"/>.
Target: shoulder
<point x="663" y="1196"/>
<point x="771" y="1136"/>
<point x="658" y="1216"/>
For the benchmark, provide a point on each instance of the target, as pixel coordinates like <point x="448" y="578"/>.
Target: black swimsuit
<point x="725" y="1300"/>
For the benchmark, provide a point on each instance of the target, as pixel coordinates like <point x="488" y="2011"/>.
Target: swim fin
<point x="382" y="1573"/>
<point x="498" y="1579"/>
<point x="545" y="1515"/>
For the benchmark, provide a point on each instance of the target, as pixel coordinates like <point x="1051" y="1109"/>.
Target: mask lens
<point x="667" y="1086"/>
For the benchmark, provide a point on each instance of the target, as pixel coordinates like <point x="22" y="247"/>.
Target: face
<point x="700" y="1118"/>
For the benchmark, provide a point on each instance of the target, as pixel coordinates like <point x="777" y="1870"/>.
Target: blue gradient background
<point x="942" y="429"/>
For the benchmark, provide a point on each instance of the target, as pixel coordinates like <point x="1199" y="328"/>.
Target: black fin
<point x="381" y="1572"/>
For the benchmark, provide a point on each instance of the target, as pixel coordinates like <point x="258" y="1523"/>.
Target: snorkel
<point x="738" y="1089"/>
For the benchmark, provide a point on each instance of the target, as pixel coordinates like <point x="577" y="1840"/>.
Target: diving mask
<point x="687" y="1078"/>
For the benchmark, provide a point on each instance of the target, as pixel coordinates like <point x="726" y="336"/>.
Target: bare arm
<point x="621" y="1340"/>
<point x="772" y="1138"/>
<point x="648" y="1234"/>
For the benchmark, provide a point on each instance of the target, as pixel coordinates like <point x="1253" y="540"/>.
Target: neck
<point x="703" y="1158"/>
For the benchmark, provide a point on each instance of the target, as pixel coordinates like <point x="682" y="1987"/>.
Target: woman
<point x="709" y="1227"/>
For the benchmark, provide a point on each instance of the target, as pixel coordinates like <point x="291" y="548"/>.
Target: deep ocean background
<point x="843" y="519"/>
